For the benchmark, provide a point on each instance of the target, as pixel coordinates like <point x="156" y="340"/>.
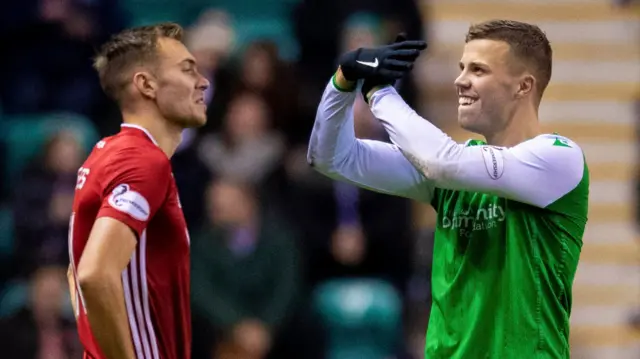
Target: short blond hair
<point x="128" y="48"/>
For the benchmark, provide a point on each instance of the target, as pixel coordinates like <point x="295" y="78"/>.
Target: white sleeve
<point x="335" y="152"/>
<point x="536" y="172"/>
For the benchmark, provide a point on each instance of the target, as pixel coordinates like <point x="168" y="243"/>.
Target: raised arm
<point x="536" y="172"/>
<point x="335" y="151"/>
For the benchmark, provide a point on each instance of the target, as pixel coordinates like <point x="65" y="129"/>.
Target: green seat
<point x="146" y="12"/>
<point x="13" y="297"/>
<point x="257" y="8"/>
<point x="363" y="318"/>
<point x="6" y="233"/>
<point x="25" y="135"/>
<point x="275" y="29"/>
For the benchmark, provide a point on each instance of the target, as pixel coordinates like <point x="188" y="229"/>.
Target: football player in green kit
<point x="511" y="209"/>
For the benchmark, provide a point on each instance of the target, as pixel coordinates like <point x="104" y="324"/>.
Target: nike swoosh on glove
<point x="371" y="82"/>
<point x="388" y="63"/>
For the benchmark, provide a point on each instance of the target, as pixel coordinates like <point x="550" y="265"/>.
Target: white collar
<point x="128" y="125"/>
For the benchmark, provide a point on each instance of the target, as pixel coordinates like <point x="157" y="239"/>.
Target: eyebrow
<point x="189" y="61"/>
<point x="476" y="63"/>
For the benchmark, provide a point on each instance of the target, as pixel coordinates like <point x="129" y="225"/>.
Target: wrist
<point x="373" y="90"/>
<point x="341" y="83"/>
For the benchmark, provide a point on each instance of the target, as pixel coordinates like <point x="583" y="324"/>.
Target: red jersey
<point x="129" y="178"/>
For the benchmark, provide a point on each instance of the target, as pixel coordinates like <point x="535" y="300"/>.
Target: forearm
<point x="105" y="305"/>
<point x="432" y="151"/>
<point x="333" y="134"/>
<point x="72" y="290"/>
<point x="538" y="171"/>
<point x="335" y="151"/>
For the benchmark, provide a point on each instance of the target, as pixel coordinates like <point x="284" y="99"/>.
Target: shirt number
<point x="82" y="177"/>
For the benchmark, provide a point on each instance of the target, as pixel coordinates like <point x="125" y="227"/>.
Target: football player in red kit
<point x="128" y="241"/>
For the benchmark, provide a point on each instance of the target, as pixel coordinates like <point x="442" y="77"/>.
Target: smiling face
<point x="487" y="86"/>
<point x="504" y="71"/>
<point x="180" y="87"/>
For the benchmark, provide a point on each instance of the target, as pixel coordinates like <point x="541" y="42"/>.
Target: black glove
<point x="373" y="81"/>
<point x="386" y="63"/>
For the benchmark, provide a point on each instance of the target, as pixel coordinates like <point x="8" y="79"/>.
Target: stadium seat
<point x="24" y="136"/>
<point x="362" y="316"/>
<point x="13" y="297"/>
<point x="275" y="29"/>
<point x="6" y="233"/>
<point x="145" y="12"/>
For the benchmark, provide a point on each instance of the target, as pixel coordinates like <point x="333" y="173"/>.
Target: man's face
<point x="180" y="92"/>
<point x="487" y="86"/>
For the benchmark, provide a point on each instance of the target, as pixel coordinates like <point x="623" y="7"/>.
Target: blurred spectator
<point x="50" y="68"/>
<point x="320" y="45"/>
<point x="210" y="40"/>
<point x="263" y="73"/>
<point x="345" y="232"/>
<point x="192" y="177"/>
<point x="41" y="330"/>
<point x="260" y="71"/>
<point x="245" y="276"/>
<point x="43" y="201"/>
<point x="248" y="150"/>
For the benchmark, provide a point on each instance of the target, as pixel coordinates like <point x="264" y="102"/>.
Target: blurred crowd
<point x="285" y="263"/>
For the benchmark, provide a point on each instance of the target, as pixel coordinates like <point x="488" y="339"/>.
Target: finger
<point x="391" y="74"/>
<point x="406" y="55"/>
<point x="398" y="64"/>
<point x="410" y="44"/>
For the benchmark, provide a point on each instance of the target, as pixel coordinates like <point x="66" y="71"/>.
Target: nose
<point x="462" y="81"/>
<point x="203" y="84"/>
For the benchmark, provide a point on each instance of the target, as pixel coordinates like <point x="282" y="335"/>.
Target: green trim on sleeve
<point x="339" y="88"/>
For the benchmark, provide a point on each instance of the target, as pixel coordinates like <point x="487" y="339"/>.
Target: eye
<point x="478" y="70"/>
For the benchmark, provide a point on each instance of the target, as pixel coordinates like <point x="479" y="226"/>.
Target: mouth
<point x="466" y="100"/>
<point x="200" y="101"/>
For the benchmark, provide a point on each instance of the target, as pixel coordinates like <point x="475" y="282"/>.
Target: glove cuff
<point x="347" y="63"/>
<point x="368" y="85"/>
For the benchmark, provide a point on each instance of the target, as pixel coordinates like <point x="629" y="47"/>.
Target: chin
<point x="199" y="121"/>
<point x="470" y="125"/>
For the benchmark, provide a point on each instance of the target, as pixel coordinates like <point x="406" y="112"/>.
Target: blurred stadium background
<point x="337" y="272"/>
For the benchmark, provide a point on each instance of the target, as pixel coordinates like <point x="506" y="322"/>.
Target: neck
<point x="166" y="135"/>
<point x="526" y="127"/>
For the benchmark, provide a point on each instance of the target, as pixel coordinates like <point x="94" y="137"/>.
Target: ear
<point x="526" y="85"/>
<point x="146" y="84"/>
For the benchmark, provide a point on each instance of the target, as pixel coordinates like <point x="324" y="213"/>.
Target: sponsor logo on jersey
<point x="493" y="161"/>
<point x="474" y="219"/>
<point x="130" y="202"/>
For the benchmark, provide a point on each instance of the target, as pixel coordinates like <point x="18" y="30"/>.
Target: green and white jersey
<point x="509" y="227"/>
<point x="502" y="269"/>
